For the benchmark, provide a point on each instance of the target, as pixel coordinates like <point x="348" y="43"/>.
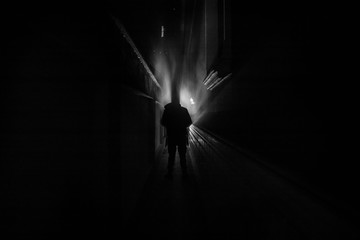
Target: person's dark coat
<point x="176" y="120"/>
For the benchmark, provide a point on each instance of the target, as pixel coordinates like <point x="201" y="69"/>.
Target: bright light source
<point x="162" y="31"/>
<point x="192" y="101"/>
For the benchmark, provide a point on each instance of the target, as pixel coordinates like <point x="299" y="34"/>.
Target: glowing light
<point x="162" y="31"/>
<point x="212" y="80"/>
<point x="129" y="40"/>
<point x="183" y="70"/>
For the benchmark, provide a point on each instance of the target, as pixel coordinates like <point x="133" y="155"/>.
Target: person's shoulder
<point x="167" y="105"/>
<point x="184" y="109"/>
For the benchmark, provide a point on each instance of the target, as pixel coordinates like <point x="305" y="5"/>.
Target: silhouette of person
<point x="176" y="120"/>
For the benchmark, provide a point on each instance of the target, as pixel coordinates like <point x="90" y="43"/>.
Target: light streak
<point x="219" y="81"/>
<point x="184" y="66"/>
<point x="212" y="80"/>
<point x="162" y="31"/>
<point x="207" y="77"/>
<point x="204" y="144"/>
<point x="136" y="51"/>
<point x="213" y="75"/>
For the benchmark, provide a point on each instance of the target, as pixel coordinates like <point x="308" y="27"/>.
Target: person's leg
<point x="171" y="160"/>
<point x="182" y="154"/>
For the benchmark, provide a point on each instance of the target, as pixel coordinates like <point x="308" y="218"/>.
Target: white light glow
<point x="183" y="70"/>
<point x="162" y="31"/>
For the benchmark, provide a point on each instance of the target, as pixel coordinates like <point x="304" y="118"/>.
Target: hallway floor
<point x="228" y="196"/>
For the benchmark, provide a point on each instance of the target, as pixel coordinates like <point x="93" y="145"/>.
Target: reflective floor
<point x="227" y="195"/>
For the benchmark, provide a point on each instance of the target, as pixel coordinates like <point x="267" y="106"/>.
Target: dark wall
<point x="77" y="142"/>
<point x="137" y="148"/>
<point x="287" y="100"/>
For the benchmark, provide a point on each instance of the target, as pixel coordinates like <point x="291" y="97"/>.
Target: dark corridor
<point x="271" y="152"/>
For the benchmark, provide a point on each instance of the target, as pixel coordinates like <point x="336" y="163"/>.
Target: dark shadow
<point x="176" y="120"/>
